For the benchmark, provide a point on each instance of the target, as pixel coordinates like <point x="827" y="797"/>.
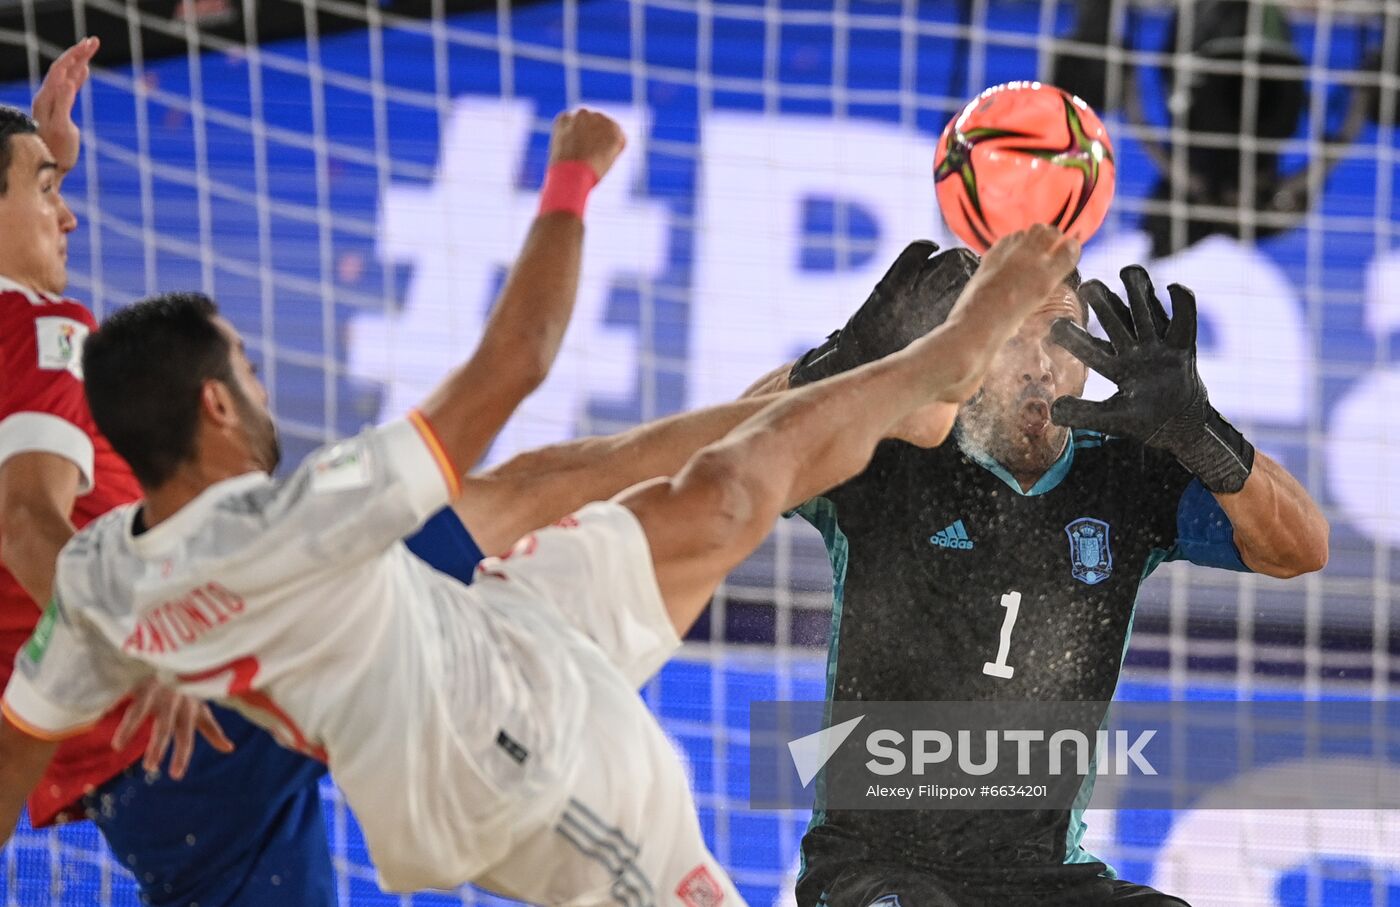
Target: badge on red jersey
<point x="60" y="344"/>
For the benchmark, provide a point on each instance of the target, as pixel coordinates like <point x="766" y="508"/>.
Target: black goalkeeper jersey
<point x="923" y="545"/>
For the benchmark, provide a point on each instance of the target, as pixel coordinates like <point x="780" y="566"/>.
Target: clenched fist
<point x="589" y="136"/>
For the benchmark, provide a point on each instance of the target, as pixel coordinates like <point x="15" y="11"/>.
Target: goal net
<point x="353" y="194"/>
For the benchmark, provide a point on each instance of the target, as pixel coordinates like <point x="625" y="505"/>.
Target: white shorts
<point x="594" y="570"/>
<point x="625" y="831"/>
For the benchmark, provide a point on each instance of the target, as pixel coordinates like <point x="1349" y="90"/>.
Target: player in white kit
<point x="489" y="733"/>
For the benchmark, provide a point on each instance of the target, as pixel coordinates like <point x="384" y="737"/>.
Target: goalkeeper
<point x="1069" y="502"/>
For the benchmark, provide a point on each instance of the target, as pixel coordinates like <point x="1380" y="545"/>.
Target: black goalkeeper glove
<point x="1161" y="400"/>
<point x="914" y="297"/>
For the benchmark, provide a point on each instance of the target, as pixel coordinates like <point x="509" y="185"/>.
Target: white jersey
<point x="442" y="713"/>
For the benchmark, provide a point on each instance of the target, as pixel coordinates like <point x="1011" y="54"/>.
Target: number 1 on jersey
<point x="1011" y="601"/>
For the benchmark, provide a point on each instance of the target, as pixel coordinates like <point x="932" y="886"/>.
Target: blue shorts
<point x="246" y="829"/>
<point x="241" y="829"/>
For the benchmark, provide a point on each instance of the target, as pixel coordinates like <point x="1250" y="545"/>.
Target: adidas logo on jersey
<point x="955" y="536"/>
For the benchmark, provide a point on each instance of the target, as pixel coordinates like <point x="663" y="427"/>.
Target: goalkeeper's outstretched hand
<point x="1161" y="400"/>
<point x="913" y="298"/>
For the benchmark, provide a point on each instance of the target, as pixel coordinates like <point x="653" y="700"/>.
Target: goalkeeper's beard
<point x="1017" y="434"/>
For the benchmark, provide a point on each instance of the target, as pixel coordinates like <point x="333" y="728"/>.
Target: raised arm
<point x="1278" y="528"/>
<point x="44" y="456"/>
<point x="914" y="298"/>
<point x="528" y="322"/>
<point x="53" y="104"/>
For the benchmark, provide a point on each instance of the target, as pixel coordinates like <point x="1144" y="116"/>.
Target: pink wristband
<point x="566" y="187"/>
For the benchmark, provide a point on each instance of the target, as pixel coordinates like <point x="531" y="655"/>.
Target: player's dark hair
<point x="13" y="121"/>
<point x="144" y="372"/>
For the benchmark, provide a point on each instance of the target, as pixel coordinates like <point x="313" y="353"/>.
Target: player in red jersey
<point x="57" y="472"/>
<point x="245" y="830"/>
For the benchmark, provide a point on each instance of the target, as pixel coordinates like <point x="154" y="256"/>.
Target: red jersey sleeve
<point x="42" y="407"/>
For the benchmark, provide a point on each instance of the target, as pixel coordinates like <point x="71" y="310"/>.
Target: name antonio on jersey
<point x="174" y="624"/>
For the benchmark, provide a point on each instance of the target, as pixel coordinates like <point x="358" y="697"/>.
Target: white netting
<point x="352" y="197"/>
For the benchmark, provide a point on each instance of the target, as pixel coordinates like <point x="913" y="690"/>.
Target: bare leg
<point x="719" y="507"/>
<point x="715" y="511"/>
